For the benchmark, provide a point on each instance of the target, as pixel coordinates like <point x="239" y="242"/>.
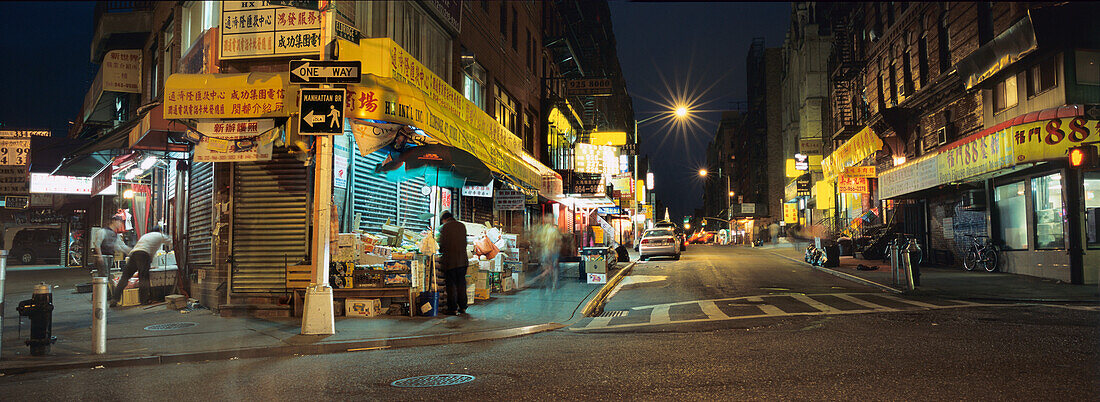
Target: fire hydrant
<point x="40" y="311"/>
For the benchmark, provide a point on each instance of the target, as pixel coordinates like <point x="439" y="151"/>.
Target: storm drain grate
<point x="171" y="326"/>
<point x="615" y="313"/>
<point x="435" y="380"/>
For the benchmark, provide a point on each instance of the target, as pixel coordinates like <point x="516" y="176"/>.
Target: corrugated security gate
<point x="200" y="215"/>
<point x="377" y="199"/>
<point x="270" y="222"/>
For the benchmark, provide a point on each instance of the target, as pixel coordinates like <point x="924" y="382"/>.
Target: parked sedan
<point x="659" y="242"/>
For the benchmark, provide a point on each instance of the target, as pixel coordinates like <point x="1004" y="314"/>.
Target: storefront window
<point x="1092" y="209"/>
<point x="1049" y="215"/>
<point x="1012" y="211"/>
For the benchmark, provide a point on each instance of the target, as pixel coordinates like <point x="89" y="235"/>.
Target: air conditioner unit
<point x="942" y="134"/>
<point x="974" y="200"/>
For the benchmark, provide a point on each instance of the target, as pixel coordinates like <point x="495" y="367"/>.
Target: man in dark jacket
<point x="452" y="244"/>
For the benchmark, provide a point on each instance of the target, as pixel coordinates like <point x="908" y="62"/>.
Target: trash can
<point x="832" y="255"/>
<point x="428" y="298"/>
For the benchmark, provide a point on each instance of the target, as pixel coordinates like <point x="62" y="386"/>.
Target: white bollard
<point x="99" y="314"/>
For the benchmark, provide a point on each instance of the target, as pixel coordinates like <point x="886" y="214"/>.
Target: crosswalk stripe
<point x="766" y="308"/>
<point x="660" y="315"/>
<point x="712" y="311"/>
<point x="862" y="302"/>
<point x="599" y="322"/>
<point x="814" y="303"/>
<point x="913" y="302"/>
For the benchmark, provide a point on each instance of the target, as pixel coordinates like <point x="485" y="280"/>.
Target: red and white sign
<point x="597" y="278"/>
<point x="853" y="185"/>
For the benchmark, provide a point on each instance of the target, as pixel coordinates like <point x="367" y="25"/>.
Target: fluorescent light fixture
<point x="148" y="162"/>
<point x="128" y="194"/>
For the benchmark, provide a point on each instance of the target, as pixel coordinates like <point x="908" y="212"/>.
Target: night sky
<point x="693" y="46"/>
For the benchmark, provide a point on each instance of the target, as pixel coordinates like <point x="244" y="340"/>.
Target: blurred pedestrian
<point x="547" y="246"/>
<point x="140" y="262"/>
<point x="773" y="230"/>
<point x="452" y="244"/>
<point x="105" y="241"/>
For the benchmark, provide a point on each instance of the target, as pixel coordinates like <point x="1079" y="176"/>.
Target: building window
<point x="504" y="20"/>
<point x="881" y="82"/>
<point x="1088" y="67"/>
<point x="154" y="71"/>
<point x="198" y="16"/>
<point x="473" y="84"/>
<point x="1092" y="209"/>
<point x="1050" y="216"/>
<point x="530" y="51"/>
<point x="506" y="109"/>
<point x="1042" y="77"/>
<point x="893" y="78"/>
<point x="944" y="44"/>
<point x="515" y="29"/>
<point x="1005" y="94"/>
<point x="906" y="66"/>
<point x="1012" y="211"/>
<point x="922" y="57"/>
<point x="985" y="22"/>
<point x="529" y="132"/>
<point x="169" y="35"/>
<point x="419" y="35"/>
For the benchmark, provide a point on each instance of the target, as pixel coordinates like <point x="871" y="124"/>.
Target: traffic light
<point x="1083" y="157"/>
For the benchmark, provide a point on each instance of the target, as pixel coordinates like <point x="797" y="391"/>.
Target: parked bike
<point x="982" y="252"/>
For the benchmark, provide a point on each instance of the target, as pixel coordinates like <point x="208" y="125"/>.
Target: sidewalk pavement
<point x="208" y="336"/>
<point x="958" y="283"/>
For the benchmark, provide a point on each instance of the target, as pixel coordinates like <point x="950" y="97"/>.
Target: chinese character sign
<point x="121" y="71"/>
<point x="258" y="29"/>
<point x="1051" y="139"/>
<point x="206" y="96"/>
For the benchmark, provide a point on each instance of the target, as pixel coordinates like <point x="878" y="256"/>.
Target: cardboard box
<point x="362" y="307"/>
<point x="519" y="278"/>
<point x="345" y="254"/>
<point x="486" y="265"/>
<point x="130" y="297"/>
<point x="394" y="265"/>
<point x="346" y="239"/>
<point x="398" y="279"/>
<point x="482" y="280"/>
<point x="176" y="302"/>
<point x="481" y="294"/>
<point x="471" y="291"/>
<point x="508" y="284"/>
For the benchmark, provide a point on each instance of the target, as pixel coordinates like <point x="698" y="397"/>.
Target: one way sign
<point x="315" y="71"/>
<point x="321" y="111"/>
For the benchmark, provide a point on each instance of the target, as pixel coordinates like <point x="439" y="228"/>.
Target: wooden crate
<point x="298" y="276"/>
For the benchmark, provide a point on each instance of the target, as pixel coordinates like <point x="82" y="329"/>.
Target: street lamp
<point x="702" y="173"/>
<point x="681" y="111"/>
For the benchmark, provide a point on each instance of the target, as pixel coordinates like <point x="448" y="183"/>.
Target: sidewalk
<point x="958" y="283"/>
<point x="203" y="336"/>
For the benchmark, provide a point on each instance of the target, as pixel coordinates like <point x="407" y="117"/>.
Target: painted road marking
<point x="861" y="302"/>
<point x="712" y="311"/>
<point x="660" y="313"/>
<point x="814" y="303"/>
<point x="766" y="308"/>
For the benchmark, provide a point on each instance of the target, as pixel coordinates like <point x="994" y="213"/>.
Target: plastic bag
<point x="428" y="245"/>
<point x="485" y="247"/>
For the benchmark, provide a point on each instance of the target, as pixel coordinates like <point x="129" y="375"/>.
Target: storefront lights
<point x="128" y="194"/>
<point x="148" y="162"/>
<point x="649" y="181"/>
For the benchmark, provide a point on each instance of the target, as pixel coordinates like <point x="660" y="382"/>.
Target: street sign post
<point x="328" y="71"/>
<point x="321" y="111"/>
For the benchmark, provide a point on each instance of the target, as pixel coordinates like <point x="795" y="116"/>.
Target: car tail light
<point x="645" y="241"/>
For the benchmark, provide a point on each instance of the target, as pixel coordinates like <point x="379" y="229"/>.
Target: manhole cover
<point x="435" y="380"/>
<point x="614" y="313"/>
<point x="171" y="326"/>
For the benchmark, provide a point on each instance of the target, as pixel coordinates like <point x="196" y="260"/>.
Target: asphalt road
<point x="933" y="350"/>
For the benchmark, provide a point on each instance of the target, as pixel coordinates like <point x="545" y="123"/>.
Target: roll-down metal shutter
<point x="270" y="228"/>
<point x="200" y="214"/>
<point x="377" y="199"/>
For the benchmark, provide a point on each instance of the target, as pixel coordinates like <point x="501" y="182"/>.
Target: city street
<point x="904" y="348"/>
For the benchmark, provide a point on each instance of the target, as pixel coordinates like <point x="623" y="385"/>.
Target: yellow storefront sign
<point x="228" y="96"/>
<point x="790" y="212"/>
<point x="868" y="172"/>
<point x="859" y="147"/>
<point x="983" y="154"/>
<point x="611" y="138"/>
<point x="1050" y="139"/>
<point x="824" y="195"/>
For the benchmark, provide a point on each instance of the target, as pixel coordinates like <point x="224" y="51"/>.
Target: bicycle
<point x="982" y="252"/>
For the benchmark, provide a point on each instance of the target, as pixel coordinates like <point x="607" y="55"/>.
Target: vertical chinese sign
<point x="258" y="29"/>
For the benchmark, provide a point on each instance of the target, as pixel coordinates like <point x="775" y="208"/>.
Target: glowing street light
<point x="681" y="111"/>
<point x="702" y="173"/>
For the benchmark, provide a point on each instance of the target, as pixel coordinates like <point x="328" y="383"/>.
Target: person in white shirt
<point x="141" y="257"/>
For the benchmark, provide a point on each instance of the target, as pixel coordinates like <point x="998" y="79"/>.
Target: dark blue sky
<point x="694" y="46"/>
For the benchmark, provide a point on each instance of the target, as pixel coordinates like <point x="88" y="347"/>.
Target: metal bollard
<point x="906" y="264"/>
<point x="3" y="278"/>
<point x="99" y="314"/>
<point x="893" y="250"/>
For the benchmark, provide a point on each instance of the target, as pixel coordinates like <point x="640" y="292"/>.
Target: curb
<point x="291" y="350"/>
<point x="595" y="306"/>
<point x="843" y="275"/>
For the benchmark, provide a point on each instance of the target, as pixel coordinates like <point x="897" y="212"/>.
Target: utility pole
<point x="317" y="315"/>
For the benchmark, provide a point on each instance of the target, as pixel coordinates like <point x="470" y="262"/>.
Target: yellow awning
<point x="861" y="145"/>
<point x="396" y="87"/>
